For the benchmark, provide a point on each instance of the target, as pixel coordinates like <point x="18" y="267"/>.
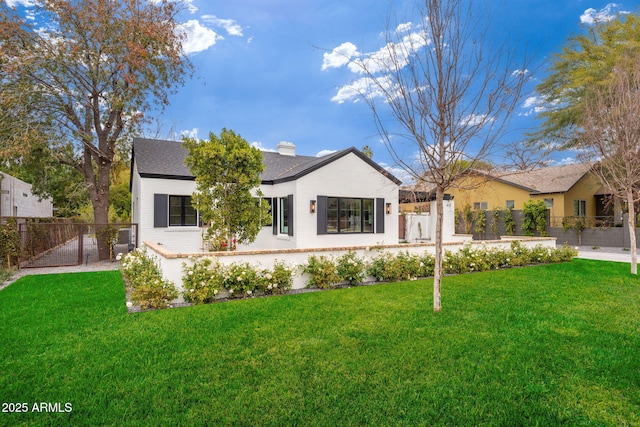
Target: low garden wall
<point x="171" y="264"/>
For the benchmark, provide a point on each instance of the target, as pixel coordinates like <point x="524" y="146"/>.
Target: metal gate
<point x="61" y="244"/>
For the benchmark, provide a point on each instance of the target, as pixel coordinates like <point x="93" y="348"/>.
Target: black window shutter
<point x="321" y="212"/>
<point x="380" y="215"/>
<point x="160" y="210"/>
<point x="290" y="213"/>
<point x="274" y="212"/>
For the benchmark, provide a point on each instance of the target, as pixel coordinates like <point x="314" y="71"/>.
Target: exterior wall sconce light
<point x="312" y="206"/>
<point x="388" y="208"/>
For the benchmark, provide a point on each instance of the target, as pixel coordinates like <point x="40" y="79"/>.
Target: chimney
<point x="286" y="148"/>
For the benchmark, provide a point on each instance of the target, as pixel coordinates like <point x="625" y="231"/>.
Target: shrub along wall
<point x="318" y="267"/>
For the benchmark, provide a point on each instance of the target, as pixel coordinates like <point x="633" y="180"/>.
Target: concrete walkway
<point x="604" y="254"/>
<point x="92" y="266"/>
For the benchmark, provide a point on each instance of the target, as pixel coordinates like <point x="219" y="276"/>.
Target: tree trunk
<point x="632" y="232"/>
<point x="437" y="273"/>
<point x="100" y="202"/>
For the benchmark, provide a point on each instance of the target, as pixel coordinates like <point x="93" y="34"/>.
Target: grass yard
<point x="546" y="345"/>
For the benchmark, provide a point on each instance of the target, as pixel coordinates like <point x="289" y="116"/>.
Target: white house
<point x="341" y="199"/>
<point x="17" y="200"/>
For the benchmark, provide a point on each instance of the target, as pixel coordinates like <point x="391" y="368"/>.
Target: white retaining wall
<point x="171" y="263"/>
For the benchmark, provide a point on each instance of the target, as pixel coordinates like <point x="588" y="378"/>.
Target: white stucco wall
<point x="171" y="263"/>
<point x="16" y="199"/>
<point x="176" y="239"/>
<point x="348" y="176"/>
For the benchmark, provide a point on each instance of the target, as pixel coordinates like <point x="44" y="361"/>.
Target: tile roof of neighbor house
<point x="165" y="159"/>
<point x="555" y="179"/>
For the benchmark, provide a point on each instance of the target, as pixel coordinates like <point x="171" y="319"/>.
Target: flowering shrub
<point x="148" y="288"/>
<point x="351" y="268"/>
<point x="278" y="280"/>
<point x="202" y="281"/>
<point x="323" y="271"/>
<point x="240" y="279"/>
<point x="387" y="267"/>
<point x="405" y="266"/>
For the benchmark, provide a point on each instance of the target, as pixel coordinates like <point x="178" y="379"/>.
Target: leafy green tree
<point x="534" y="218"/>
<point x="227" y="171"/>
<point x="81" y="81"/>
<point x="509" y="222"/>
<point x="587" y="61"/>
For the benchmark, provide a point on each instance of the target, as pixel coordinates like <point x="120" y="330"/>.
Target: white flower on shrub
<point x="268" y="276"/>
<point x="215" y="292"/>
<point x="249" y="292"/>
<point x="190" y="272"/>
<point x="239" y="278"/>
<point x="230" y="291"/>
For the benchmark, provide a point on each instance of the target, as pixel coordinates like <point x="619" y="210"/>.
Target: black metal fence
<point x="61" y="244"/>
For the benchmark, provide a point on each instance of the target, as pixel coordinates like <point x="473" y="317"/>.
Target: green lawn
<point x="546" y="345"/>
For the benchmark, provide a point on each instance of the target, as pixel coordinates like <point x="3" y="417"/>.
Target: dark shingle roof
<point x="165" y="159"/>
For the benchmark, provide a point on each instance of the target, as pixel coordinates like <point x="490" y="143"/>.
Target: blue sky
<point x="264" y="68"/>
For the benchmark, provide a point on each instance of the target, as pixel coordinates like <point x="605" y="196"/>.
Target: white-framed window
<point x="548" y="203"/>
<point x="511" y="204"/>
<point x="579" y="208"/>
<point x="480" y="206"/>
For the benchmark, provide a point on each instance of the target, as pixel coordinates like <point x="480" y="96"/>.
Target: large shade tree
<point x="592" y="99"/>
<point x="441" y="97"/>
<point x="81" y="75"/>
<point x="585" y="63"/>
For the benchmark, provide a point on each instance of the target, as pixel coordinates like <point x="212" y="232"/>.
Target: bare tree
<point x="611" y="135"/>
<point x="438" y="88"/>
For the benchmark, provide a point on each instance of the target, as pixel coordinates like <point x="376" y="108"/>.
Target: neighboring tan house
<point x="569" y="190"/>
<point x="17" y="200"/>
<point x="341" y="199"/>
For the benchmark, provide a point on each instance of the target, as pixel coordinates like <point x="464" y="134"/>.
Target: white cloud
<point x="565" y="161"/>
<point x="403" y="28"/>
<point x="476" y="120"/>
<point x="199" y="38"/>
<point x="339" y="56"/>
<point x="606" y="14"/>
<point x="193" y="133"/>
<point x="15" y="3"/>
<point x="325" y="153"/>
<point x="259" y="146"/>
<point x="229" y="25"/>
<point x="360" y="87"/>
<point x="533" y="105"/>
<point x="518" y="73"/>
<point x="392" y="56"/>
